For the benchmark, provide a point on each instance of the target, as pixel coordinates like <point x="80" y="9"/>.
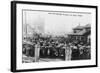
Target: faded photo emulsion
<point x="55" y="36"/>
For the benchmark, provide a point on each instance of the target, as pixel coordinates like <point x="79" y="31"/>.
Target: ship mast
<point x="26" y="23"/>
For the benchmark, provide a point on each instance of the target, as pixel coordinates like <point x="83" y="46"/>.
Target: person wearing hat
<point x="75" y="52"/>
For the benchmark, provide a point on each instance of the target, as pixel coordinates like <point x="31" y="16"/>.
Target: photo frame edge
<point x="13" y="36"/>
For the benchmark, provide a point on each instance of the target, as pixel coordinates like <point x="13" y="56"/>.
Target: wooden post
<point x="68" y="53"/>
<point x="37" y="52"/>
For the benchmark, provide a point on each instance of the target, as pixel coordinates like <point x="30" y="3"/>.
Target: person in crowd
<point x="27" y="50"/>
<point x="75" y="52"/>
<point x="87" y="51"/>
<point x="49" y="47"/>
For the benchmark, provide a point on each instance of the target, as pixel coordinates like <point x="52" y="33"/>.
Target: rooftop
<point x="87" y="26"/>
<point x="79" y="33"/>
<point x="82" y="27"/>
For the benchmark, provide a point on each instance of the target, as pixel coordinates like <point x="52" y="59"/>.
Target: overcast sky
<point x="55" y="22"/>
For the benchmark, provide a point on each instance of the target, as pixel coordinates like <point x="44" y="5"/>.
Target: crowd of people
<point x="58" y="47"/>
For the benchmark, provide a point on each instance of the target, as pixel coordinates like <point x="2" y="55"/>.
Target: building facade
<point x="81" y="33"/>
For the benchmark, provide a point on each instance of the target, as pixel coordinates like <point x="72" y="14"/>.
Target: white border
<point x="21" y="65"/>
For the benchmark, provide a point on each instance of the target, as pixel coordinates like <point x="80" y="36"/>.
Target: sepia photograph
<point x="56" y="36"/>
